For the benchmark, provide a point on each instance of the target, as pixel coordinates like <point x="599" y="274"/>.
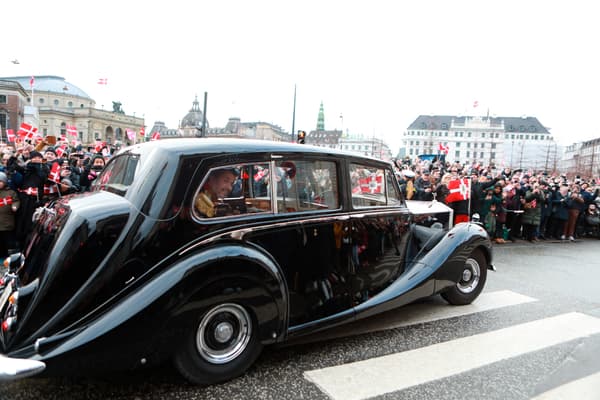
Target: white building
<point x="582" y="159"/>
<point x="518" y="142"/>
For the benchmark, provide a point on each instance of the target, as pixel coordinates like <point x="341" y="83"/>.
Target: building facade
<point x="517" y="142"/>
<point x="191" y="126"/>
<point x="58" y="103"/>
<point x="582" y="159"/>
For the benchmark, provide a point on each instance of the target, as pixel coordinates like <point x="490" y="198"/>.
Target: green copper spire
<point x="321" y="120"/>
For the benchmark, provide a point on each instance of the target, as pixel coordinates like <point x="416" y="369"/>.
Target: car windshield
<point x="118" y="174"/>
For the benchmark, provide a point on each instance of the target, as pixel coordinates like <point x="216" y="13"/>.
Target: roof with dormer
<point x="511" y="124"/>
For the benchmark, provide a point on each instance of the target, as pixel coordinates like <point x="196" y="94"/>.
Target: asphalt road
<point x="533" y="333"/>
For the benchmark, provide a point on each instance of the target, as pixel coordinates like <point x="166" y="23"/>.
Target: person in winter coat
<point x="560" y="212"/>
<point x="575" y="205"/>
<point x="532" y="212"/>
<point x="31" y="192"/>
<point x="9" y="205"/>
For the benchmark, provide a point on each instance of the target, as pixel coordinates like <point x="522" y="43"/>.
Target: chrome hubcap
<point x="224" y="333"/>
<point x="470" y="276"/>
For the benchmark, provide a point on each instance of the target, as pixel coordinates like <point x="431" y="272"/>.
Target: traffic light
<point x="301" y="137"/>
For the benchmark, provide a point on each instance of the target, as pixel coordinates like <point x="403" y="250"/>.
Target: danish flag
<point x="444" y="148"/>
<point x="60" y="151"/>
<point x="6" y="201"/>
<point x="54" y="175"/>
<point x="460" y="189"/>
<point x="50" y="189"/>
<point x="30" y="191"/>
<point x="142" y="131"/>
<point x="130" y="133"/>
<point x="155" y="136"/>
<point x="72" y="130"/>
<point x="99" y="145"/>
<point x="27" y="131"/>
<point x="10" y="135"/>
<point x="103" y="81"/>
<point x="372" y="184"/>
<point x="262" y="172"/>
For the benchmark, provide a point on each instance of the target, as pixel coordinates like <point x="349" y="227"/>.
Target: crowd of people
<point x="512" y="204"/>
<point x="33" y="174"/>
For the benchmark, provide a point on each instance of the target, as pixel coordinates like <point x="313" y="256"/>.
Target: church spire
<point x="321" y="120"/>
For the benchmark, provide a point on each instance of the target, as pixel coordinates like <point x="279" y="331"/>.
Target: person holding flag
<point x="9" y="205"/>
<point x="458" y="198"/>
<point x="35" y="174"/>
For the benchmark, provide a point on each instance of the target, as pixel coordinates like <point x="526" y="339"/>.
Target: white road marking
<point x="587" y="388"/>
<point x="394" y="372"/>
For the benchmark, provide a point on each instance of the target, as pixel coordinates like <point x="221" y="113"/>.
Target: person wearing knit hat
<point x="50" y="155"/>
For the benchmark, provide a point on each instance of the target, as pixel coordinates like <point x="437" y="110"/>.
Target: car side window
<point x="306" y="185"/>
<point x="372" y="187"/>
<point x="233" y="190"/>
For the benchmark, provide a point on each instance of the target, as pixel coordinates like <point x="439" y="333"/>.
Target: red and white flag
<point x="99" y="145"/>
<point x="130" y="134"/>
<point x="260" y="173"/>
<point x="155" y="136"/>
<point x="142" y="131"/>
<point x="72" y="130"/>
<point x="54" y="174"/>
<point x="475" y="104"/>
<point x="60" y="151"/>
<point x="460" y="189"/>
<point x="27" y="131"/>
<point x="6" y="201"/>
<point x="443" y="148"/>
<point x="32" y="82"/>
<point x="10" y="135"/>
<point x="50" y="189"/>
<point x="63" y="138"/>
<point x="103" y="81"/>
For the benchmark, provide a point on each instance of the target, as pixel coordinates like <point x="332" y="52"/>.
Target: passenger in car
<point x="218" y="186"/>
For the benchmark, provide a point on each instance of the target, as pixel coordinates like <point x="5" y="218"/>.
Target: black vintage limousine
<point x="202" y="251"/>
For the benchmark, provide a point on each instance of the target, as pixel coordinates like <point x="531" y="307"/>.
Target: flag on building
<point x="475" y="104"/>
<point x="32" y="81"/>
<point x="103" y="81"/>
<point x="460" y="189"/>
<point x="142" y="131"/>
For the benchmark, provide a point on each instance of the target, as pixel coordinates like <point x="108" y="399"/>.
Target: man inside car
<point x="218" y="186"/>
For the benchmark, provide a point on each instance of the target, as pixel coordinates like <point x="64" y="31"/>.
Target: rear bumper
<point x="17" y="368"/>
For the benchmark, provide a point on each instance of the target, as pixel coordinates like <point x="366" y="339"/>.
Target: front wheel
<point x="471" y="282"/>
<point x="221" y="346"/>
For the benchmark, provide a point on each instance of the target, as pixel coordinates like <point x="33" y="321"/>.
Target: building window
<point x="70" y="104"/>
<point x="481" y="155"/>
<point x="492" y="155"/>
<point x="468" y="154"/>
<point x="55" y="102"/>
<point x="474" y="145"/>
<point x="3" y="99"/>
<point x="482" y="145"/>
<point x="493" y="145"/>
<point x="468" y="134"/>
<point x="483" y="134"/>
<point x="468" y="145"/>
<point x="445" y="133"/>
<point x="457" y="144"/>
<point x="417" y="142"/>
<point x="3" y="120"/>
<point x="41" y="100"/>
<point x="455" y="134"/>
<point x="457" y="154"/>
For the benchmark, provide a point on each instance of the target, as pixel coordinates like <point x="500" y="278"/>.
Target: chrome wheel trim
<point x="224" y="333"/>
<point x="470" y="276"/>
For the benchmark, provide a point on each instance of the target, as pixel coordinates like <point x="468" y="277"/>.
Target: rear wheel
<point x="221" y="346"/>
<point x="471" y="282"/>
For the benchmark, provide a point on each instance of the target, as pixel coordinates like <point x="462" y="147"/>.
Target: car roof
<point x="190" y="146"/>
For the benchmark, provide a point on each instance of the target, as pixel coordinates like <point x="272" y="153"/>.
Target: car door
<point x="380" y="231"/>
<point x="309" y="239"/>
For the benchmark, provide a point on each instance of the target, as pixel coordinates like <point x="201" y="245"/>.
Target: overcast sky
<point x="375" y="65"/>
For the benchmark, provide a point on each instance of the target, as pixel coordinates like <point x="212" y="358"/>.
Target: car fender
<point x="163" y="303"/>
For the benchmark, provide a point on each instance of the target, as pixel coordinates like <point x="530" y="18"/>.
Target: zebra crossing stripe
<point x="395" y="372"/>
<point x="587" y="388"/>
